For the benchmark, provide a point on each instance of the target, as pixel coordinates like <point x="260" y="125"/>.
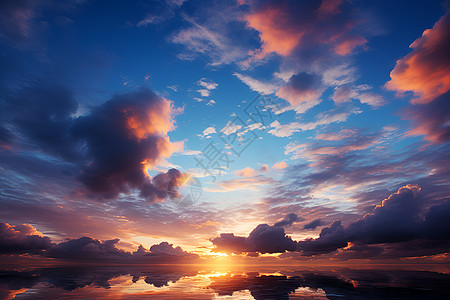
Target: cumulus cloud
<point x="279" y="165"/>
<point x="90" y="249"/>
<point x="395" y="221"/>
<point x="246" y="172"/>
<point x="25" y="239"/>
<point x="264" y="168"/>
<point x="113" y="145"/>
<point x="125" y="136"/>
<point x="21" y="239"/>
<point x="263" y="239"/>
<point x="426" y="70"/>
<point x="400" y="220"/>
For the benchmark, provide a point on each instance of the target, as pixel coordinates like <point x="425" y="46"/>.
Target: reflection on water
<point x="193" y="282"/>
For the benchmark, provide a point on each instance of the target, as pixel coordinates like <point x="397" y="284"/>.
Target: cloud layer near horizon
<point x="399" y="220"/>
<point x="25" y="239"/>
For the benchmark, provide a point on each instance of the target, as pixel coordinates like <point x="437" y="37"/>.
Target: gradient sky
<point x="324" y="127"/>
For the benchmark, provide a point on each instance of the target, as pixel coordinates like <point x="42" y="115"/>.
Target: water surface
<point x="197" y="282"/>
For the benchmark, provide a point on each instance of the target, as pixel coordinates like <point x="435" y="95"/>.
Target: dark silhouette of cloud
<point x="263" y="239"/>
<point x="287" y="221"/>
<point x="21" y="239"/>
<point x="313" y="224"/>
<point x="113" y="145"/>
<point x="400" y="222"/>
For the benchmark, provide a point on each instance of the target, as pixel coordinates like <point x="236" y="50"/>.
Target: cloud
<point x="211" y="32"/>
<point x="402" y="220"/>
<point x="25" y="239"/>
<point x="90" y="249"/>
<point x="264" y="88"/>
<point x="230" y="128"/>
<point x="426" y="70"/>
<point x="279" y="166"/>
<point x="263" y="239"/>
<point x="264" y="168"/>
<point x="22" y="239"/>
<point x="87" y="248"/>
<point x="302" y="87"/>
<point x="204" y="92"/>
<point x="164" y="185"/>
<point x="395" y="221"/>
<point x="294" y="28"/>
<point x="132" y="130"/>
<point x="333" y="116"/>
<point x="207" y="84"/>
<point x="113" y="145"/>
<point x="346" y="93"/>
<point x="288" y="220"/>
<point x="336" y="136"/>
<point x="207" y="132"/>
<point x="241" y="183"/>
<point x="313" y="224"/>
<point x="431" y="120"/>
<point x="164" y="248"/>
<point x="246" y="172"/>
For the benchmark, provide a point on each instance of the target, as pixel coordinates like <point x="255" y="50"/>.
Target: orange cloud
<point x="276" y="35"/>
<point x="279" y="166"/>
<point x="246" y="172"/>
<point x="426" y="70"/>
<point x="347" y="46"/>
<point x="154" y="120"/>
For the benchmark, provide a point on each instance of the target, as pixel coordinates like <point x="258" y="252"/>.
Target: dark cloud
<point x="125" y="136"/>
<point x="86" y="248"/>
<point x="288" y="220"/>
<point x="163" y="185"/>
<point x="90" y="249"/>
<point x="397" y="220"/>
<point x="263" y="239"/>
<point x="313" y="224"/>
<point x="330" y="239"/>
<point x="21" y="239"/>
<point x="25" y="239"/>
<point x="302" y="87"/>
<point x="400" y="222"/>
<point x="164" y="248"/>
<point x="431" y="120"/>
<point x="113" y="145"/>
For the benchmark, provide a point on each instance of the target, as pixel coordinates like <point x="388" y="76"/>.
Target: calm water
<point x="190" y="282"/>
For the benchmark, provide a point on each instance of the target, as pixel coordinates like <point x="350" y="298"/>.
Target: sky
<point x="267" y="131"/>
